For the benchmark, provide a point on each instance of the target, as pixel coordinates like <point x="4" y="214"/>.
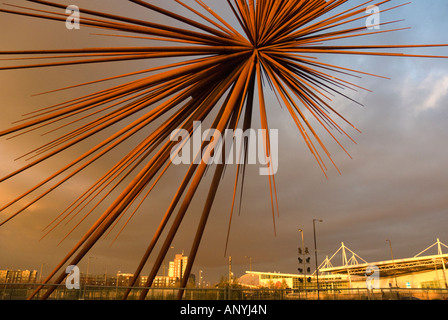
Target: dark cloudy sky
<point x="395" y="187"/>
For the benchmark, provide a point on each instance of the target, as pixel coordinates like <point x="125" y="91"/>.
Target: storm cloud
<point x="394" y="187"/>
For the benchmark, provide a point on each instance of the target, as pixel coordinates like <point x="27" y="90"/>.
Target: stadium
<point x="423" y="276"/>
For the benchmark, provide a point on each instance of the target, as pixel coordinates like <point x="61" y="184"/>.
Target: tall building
<point x="177" y="267"/>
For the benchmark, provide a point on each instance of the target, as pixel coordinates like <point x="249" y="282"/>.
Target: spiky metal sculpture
<point x="221" y="72"/>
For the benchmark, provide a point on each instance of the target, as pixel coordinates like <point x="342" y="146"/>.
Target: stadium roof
<point x="394" y="267"/>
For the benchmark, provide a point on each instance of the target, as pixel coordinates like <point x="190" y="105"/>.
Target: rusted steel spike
<point x="165" y="29"/>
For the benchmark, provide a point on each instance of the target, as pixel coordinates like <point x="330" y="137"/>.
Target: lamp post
<point x="181" y="267"/>
<point x="250" y="269"/>
<point x="250" y="263"/>
<point x="164" y="269"/>
<point x="315" y="254"/>
<point x="393" y="263"/>
<point x="304" y="269"/>
<point x="88" y="269"/>
<point x="87" y="282"/>
<point x="41" y="271"/>
<point x="230" y="270"/>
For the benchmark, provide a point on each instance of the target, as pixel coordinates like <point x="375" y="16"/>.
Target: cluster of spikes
<point x="221" y="75"/>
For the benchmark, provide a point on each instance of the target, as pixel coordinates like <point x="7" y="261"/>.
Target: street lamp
<point x="164" y="268"/>
<point x="250" y="269"/>
<point x="250" y="263"/>
<point x="315" y="254"/>
<point x="230" y="270"/>
<point x="304" y="267"/>
<point x="88" y="269"/>
<point x="87" y="282"/>
<point x="41" y="271"/>
<point x="393" y="263"/>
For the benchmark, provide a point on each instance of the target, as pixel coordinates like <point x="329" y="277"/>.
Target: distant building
<point x="177" y="267"/>
<point x="175" y="273"/>
<point x="277" y="280"/>
<point x="420" y="272"/>
<point x="18" y="276"/>
<point x="124" y="279"/>
<point x="164" y="282"/>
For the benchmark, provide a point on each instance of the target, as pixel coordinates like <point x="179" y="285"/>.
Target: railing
<point x="92" y="292"/>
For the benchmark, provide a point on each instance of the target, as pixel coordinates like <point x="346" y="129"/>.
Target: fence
<point x="91" y="292"/>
